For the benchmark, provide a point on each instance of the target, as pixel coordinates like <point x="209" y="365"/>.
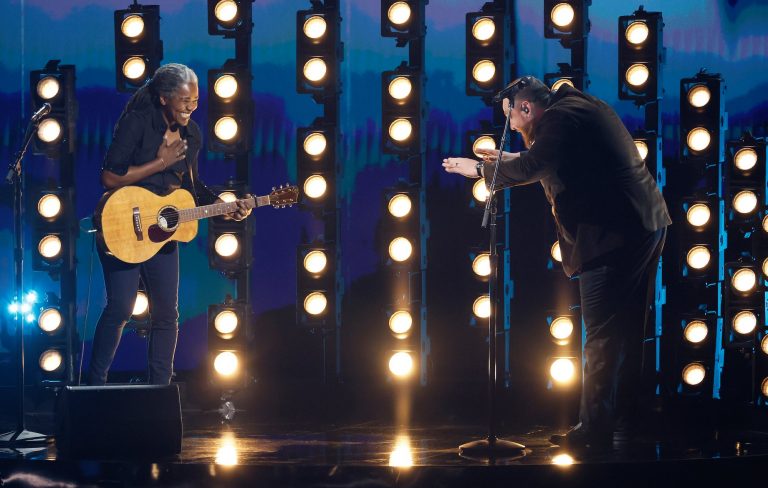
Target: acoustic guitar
<point x="133" y="223"/>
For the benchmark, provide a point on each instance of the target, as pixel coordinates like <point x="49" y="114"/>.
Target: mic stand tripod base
<point x="491" y="448"/>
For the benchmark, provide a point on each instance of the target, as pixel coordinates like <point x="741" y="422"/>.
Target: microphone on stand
<point x="44" y="110"/>
<point x="512" y="89"/>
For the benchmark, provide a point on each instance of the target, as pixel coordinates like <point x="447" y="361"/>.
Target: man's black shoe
<point x="581" y="439"/>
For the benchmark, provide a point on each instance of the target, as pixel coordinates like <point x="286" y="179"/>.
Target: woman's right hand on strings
<point x="170" y="153"/>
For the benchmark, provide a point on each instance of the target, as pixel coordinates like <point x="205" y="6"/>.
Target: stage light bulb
<point x="315" y="303"/>
<point x="637" y="33"/>
<point x="226" y="245"/>
<point x="49" y="320"/>
<point x="555" y="252"/>
<point x="480" y="192"/>
<point x="765" y="223"/>
<point x="744" y="322"/>
<point x="134" y="68"/>
<point x="400" y="88"/>
<point x="399" y="13"/>
<point x="400" y="249"/>
<point x="483" y="29"/>
<point x="563" y="460"/>
<point x="132" y="26"/>
<point x="399" y="205"/>
<point x="764" y="387"/>
<point x="484" y="71"/>
<point x="562" y="81"/>
<point x="49" y="206"/>
<point x="695" y="331"/>
<point x="227" y="196"/>
<point x="315" y="186"/>
<point x="225" y="128"/>
<point x="401" y="364"/>
<point x="226" y="363"/>
<point x="694" y="374"/>
<point x="744" y="280"/>
<point x="225" y="86"/>
<point x="765" y="267"/>
<point x="225" y="11"/>
<point x="315" y="69"/>
<point x="562" y="370"/>
<point x="481" y="307"/>
<point x="698" y="215"/>
<point x="642" y="149"/>
<point x="745" y="158"/>
<point x="48" y="87"/>
<point x="764" y="344"/>
<point x="483" y="142"/>
<point x="561" y="328"/>
<point x="400" y="130"/>
<point x="698" y="257"/>
<point x="698" y="139"/>
<point x="315" y="261"/>
<point x="49" y="246"/>
<point x="315" y="27"/>
<point x="400" y="322"/>
<point x="141" y="304"/>
<point x="562" y="15"/>
<point x="315" y="144"/>
<point x="637" y="75"/>
<point x="481" y="265"/>
<point x="745" y="202"/>
<point x="49" y="130"/>
<point x="699" y="96"/>
<point x="51" y="360"/>
<point x="226" y="322"/>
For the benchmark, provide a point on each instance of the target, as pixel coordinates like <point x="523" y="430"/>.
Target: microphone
<point x="44" y="110"/>
<point x="512" y="89"/>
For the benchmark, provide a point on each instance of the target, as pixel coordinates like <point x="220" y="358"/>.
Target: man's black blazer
<point x="602" y="195"/>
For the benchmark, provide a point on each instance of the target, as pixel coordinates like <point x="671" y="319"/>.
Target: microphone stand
<point x="20" y="438"/>
<point x="491" y="447"/>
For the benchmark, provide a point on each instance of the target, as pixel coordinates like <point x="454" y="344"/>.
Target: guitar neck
<point x="216" y="209"/>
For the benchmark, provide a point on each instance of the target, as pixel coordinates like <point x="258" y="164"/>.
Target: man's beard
<point x="528" y="136"/>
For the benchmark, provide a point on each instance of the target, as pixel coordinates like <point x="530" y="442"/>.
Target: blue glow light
<point x="30" y="297"/>
<point x="30" y="318"/>
<point x="26" y="307"/>
<point x="13" y="308"/>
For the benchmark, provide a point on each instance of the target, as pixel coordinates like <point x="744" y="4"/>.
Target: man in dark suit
<point x="611" y="221"/>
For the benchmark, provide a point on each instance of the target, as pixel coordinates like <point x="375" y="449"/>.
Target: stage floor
<point x="246" y="452"/>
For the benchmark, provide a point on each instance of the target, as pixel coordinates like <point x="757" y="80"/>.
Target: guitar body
<point x="133" y="223"/>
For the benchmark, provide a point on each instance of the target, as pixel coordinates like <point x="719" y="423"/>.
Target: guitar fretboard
<point x="216" y="209"/>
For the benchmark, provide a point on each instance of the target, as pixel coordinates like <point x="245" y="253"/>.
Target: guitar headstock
<point x="284" y="196"/>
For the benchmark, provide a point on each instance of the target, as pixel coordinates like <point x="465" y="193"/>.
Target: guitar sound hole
<point x="168" y="219"/>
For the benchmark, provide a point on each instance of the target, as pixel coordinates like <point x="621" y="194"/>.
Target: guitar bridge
<point x="137" y="224"/>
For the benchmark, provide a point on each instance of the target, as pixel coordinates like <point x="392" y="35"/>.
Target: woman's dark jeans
<point x="161" y="278"/>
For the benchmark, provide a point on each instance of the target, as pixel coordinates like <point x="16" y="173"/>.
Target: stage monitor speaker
<point x="119" y="420"/>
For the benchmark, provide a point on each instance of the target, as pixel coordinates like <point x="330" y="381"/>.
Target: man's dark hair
<point x="533" y="91"/>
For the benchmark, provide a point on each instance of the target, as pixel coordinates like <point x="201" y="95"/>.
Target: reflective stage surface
<point x="249" y="453"/>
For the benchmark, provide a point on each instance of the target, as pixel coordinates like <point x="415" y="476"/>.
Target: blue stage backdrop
<point x="724" y="36"/>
